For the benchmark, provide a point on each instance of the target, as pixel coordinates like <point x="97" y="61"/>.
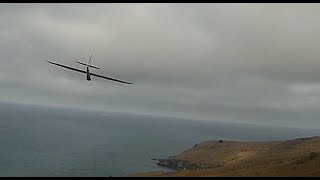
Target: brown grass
<point x="275" y="158"/>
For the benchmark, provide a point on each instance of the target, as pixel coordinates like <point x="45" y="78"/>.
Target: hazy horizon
<point x="71" y="110"/>
<point x="45" y="141"/>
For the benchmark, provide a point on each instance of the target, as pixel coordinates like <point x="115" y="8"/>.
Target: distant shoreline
<point x="293" y="157"/>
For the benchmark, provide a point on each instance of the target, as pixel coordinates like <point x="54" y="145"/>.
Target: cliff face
<point x="296" y="157"/>
<point x="177" y="164"/>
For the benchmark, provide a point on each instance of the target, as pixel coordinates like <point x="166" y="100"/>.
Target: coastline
<point x="293" y="157"/>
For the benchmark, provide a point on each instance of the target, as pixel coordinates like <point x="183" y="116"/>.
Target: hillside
<point x="297" y="157"/>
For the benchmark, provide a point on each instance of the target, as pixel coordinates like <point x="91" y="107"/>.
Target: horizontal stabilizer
<point x="88" y="65"/>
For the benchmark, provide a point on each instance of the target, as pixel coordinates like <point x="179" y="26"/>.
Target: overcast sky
<point x="251" y="63"/>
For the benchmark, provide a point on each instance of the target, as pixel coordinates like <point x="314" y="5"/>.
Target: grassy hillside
<point x="297" y="157"/>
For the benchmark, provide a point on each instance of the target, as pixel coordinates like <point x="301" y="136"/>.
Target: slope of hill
<point x="297" y="157"/>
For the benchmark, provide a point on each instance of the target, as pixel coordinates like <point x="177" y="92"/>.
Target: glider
<point x="89" y="74"/>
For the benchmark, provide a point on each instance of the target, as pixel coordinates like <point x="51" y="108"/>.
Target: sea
<point x="39" y="141"/>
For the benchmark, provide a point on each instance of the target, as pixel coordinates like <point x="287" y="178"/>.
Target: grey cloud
<point x="254" y="63"/>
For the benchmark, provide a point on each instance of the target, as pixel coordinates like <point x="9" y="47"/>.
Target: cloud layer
<point x="251" y="63"/>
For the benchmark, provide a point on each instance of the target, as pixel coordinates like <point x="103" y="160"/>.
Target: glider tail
<point x="88" y="65"/>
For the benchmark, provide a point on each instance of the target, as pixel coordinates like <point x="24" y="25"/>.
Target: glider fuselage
<point x="88" y="74"/>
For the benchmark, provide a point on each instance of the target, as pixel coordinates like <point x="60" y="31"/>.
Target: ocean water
<point x="41" y="141"/>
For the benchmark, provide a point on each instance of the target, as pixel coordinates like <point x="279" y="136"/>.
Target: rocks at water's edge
<point x="177" y="164"/>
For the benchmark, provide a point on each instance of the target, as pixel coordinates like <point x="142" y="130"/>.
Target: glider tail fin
<point x="88" y="65"/>
<point x="90" y="59"/>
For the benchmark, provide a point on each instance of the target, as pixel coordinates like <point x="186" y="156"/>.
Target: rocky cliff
<point x="295" y="157"/>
